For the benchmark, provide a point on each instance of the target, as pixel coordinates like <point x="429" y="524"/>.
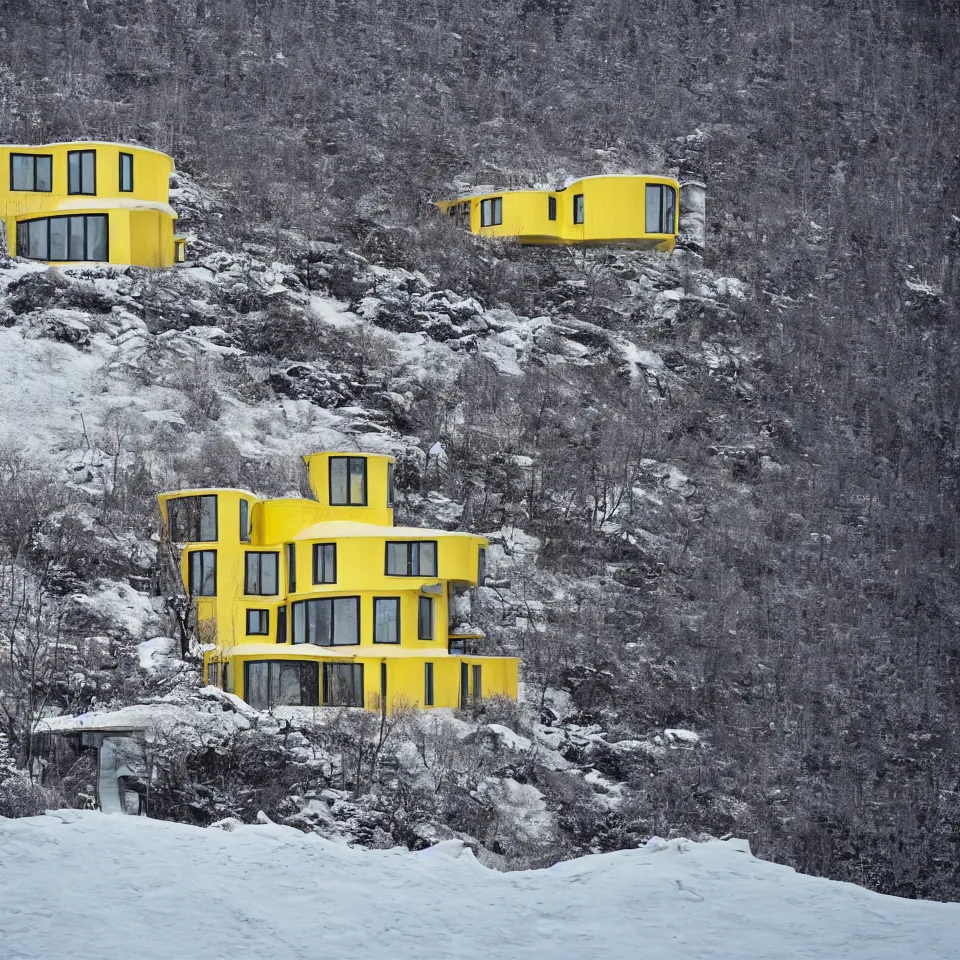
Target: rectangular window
<point x="331" y="622"/>
<point x="348" y="481"/>
<point x="203" y="573"/>
<point x="661" y="201"/>
<point x="258" y="623"/>
<point x="213" y="674"/>
<point x="82" y="171"/>
<point x="126" y="173"/>
<point x="324" y="563"/>
<point x="464" y="685"/>
<point x="481" y="566"/>
<point x="386" y="620"/>
<point x="244" y="521"/>
<point x="291" y="568"/>
<point x="425" y="618"/>
<point x="281" y="625"/>
<point x="275" y="683"/>
<point x="551" y="208"/>
<point x="227" y="678"/>
<point x="390" y="494"/>
<point x="428" y="684"/>
<point x="64" y="238"/>
<point x="491" y="212"/>
<point x="415" y="558"/>
<point x="578" y="208"/>
<point x="192" y="519"/>
<point x="261" y="574"/>
<point x="343" y="684"/>
<point x="30" y="171"/>
<point x="477" y="691"/>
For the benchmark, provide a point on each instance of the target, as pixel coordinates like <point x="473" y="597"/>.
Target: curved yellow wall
<point x="614" y="213"/>
<point x="140" y="221"/>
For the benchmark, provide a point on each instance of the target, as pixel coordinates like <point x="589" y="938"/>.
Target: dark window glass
<point x="425" y="618"/>
<point x="213" y="674"/>
<point x="578" y="208"/>
<point x="58" y="239"/>
<point x="282" y="625"/>
<point x="82" y="171"/>
<point x="477" y="691"/>
<point x="481" y="566"/>
<point x="428" y="684"/>
<point x="203" y="573"/>
<point x="274" y="683"/>
<point x="390" y="493"/>
<point x="343" y="684"/>
<point x="64" y="238"/>
<point x="192" y="519"/>
<point x="31" y="172"/>
<point x="464" y="684"/>
<point x="261" y="574"/>
<point x="383" y="687"/>
<point x="348" y="481"/>
<point x="414" y="558"/>
<point x="258" y="623"/>
<point x="126" y="172"/>
<point x="244" y="521"/>
<point x="96" y="238"/>
<point x="331" y="622"/>
<point x="386" y="620"/>
<point x="324" y="563"/>
<point x="38" y="248"/>
<point x="491" y="212"/>
<point x="291" y="567"/>
<point x="551" y="208"/>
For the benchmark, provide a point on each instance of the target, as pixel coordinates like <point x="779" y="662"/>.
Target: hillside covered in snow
<point x="274" y="893"/>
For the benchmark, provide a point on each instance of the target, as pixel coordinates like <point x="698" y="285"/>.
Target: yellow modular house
<point x="635" y="211"/>
<point x="65" y="203"/>
<point x="325" y="602"/>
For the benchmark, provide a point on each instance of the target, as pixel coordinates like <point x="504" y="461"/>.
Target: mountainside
<point x="722" y="490"/>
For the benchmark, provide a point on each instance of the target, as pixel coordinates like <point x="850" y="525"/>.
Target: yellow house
<point x="634" y="211"/>
<point x="325" y="602"/>
<point x="89" y="201"/>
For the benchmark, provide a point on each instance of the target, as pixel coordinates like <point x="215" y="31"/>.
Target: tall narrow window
<point x="343" y="684"/>
<point x="203" y="573"/>
<point x="428" y="684"/>
<point x="661" y="204"/>
<point x="477" y="691"/>
<point x="282" y="625"/>
<point x="383" y="688"/>
<point x="464" y="684"/>
<point x="386" y="619"/>
<point x="261" y="574"/>
<point x="32" y="172"/>
<point x="258" y="623"/>
<point x="324" y="563"/>
<point x="82" y="171"/>
<point x="491" y="212"/>
<point x="390" y="484"/>
<point x="331" y="622"/>
<point x="481" y="567"/>
<point x="348" y="481"/>
<point x="415" y="558"/>
<point x="244" y="521"/>
<point x="578" y="208"/>
<point x="425" y="619"/>
<point x="551" y="208"/>
<point x="126" y="173"/>
<point x="213" y="674"/>
<point x="291" y="568"/>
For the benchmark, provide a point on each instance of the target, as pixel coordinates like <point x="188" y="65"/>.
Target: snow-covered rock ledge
<point x="86" y="885"/>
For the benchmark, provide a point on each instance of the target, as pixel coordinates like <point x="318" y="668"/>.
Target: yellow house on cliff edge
<point x="325" y="602"/>
<point x="635" y="211"/>
<point x="89" y="201"/>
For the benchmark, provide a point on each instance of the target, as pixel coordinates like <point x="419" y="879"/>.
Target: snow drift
<point x="85" y="885"/>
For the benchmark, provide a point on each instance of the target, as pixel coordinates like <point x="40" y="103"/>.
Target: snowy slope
<point x="85" y="885"/>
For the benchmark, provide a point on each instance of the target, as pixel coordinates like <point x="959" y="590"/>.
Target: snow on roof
<point x="329" y="529"/>
<point x="311" y="651"/>
<point x="283" y="894"/>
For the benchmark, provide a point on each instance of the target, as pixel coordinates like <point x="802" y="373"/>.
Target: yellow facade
<point x="89" y="201"/>
<point x="326" y="602"/>
<point x="634" y="211"/>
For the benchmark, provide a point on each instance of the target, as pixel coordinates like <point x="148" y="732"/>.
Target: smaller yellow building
<point x="325" y="602"/>
<point x="635" y="211"/>
<point x="89" y="201"/>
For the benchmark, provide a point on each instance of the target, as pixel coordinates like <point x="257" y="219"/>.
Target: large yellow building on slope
<point x="82" y="202"/>
<point x="325" y="602"/>
<point x="635" y="211"/>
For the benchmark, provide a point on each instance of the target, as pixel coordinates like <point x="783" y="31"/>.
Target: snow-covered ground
<point x="84" y="885"/>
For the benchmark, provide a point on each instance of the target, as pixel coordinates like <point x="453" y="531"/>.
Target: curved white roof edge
<point x="82" y="143"/>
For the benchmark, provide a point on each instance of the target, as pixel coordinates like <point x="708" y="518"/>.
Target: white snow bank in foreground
<point x="85" y="885"/>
